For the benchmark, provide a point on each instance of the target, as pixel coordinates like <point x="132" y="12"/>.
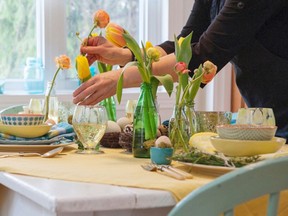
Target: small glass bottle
<point x="34" y="76"/>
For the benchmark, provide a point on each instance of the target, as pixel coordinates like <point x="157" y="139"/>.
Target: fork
<point x="163" y="170"/>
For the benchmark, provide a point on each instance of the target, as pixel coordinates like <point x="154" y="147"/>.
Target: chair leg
<point x="273" y="204"/>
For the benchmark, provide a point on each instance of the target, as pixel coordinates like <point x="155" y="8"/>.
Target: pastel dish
<point x="241" y="148"/>
<point x="30" y="131"/>
<point x="246" y="132"/>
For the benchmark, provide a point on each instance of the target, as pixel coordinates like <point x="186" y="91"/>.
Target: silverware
<point x="163" y="170"/>
<point x="48" y="154"/>
<point x="179" y="171"/>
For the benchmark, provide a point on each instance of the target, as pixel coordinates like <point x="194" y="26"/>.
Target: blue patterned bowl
<point x="22" y="119"/>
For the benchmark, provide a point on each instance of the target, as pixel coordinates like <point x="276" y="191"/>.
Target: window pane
<point x="17" y="24"/>
<point x="80" y="19"/>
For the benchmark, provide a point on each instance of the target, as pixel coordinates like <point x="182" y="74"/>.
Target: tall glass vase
<point x="50" y="103"/>
<point x="145" y="123"/>
<point x="110" y="105"/>
<point x="182" y="125"/>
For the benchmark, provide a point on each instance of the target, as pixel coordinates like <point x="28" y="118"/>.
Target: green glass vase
<point x="110" y="105"/>
<point x="145" y="123"/>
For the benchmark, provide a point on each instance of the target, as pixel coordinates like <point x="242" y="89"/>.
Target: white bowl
<point x="239" y="148"/>
<point x="246" y="132"/>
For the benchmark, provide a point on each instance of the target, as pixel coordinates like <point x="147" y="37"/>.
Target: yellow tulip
<point x="82" y="67"/>
<point x="148" y="45"/>
<point x="153" y="54"/>
<point x="114" y="34"/>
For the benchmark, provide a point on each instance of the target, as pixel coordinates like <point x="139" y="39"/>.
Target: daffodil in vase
<point x="145" y="121"/>
<point x="63" y="62"/>
<point x="184" y="120"/>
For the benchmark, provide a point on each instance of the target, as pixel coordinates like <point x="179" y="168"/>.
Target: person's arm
<point x="104" y="85"/>
<point x="236" y="25"/>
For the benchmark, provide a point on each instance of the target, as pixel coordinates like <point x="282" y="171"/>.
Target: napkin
<point x="57" y="132"/>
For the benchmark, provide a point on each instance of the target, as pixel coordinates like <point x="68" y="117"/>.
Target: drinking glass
<point x="89" y="123"/>
<point x="207" y="120"/>
<point x="256" y="116"/>
<point x="35" y="106"/>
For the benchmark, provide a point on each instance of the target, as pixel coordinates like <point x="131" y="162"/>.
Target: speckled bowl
<point x="246" y="132"/>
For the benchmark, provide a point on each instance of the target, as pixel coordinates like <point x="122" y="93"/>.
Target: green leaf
<point x="177" y="48"/>
<point x="119" y="87"/>
<point x="185" y="53"/>
<point x="134" y="47"/>
<point x="154" y="83"/>
<point x="120" y="81"/>
<point x="195" y="84"/>
<point x="167" y="82"/>
<point x="101" y="67"/>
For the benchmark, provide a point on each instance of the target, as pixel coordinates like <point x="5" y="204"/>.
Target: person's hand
<point x="100" y="49"/>
<point x="97" y="88"/>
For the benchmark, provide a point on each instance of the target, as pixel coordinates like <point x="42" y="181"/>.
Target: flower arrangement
<point x="186" y="92"/>
<point x="63" y="62"/>
<point x="146" y="114"/>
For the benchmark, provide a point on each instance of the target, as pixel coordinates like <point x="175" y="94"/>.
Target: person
<point x="252" y="35"/>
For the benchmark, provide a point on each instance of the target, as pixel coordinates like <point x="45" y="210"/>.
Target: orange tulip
<point x="101" y="18"/>
<point x="63" y="62"/>
<point x="114" y="34"/>
<point x="209" y="72"/>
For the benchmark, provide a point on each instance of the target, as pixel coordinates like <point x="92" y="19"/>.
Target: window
<point x="46" y="29"/>
<point x="18" y="38"/>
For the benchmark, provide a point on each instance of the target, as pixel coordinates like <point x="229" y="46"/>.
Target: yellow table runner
<point x="113" y="167"/>
<point x="118" y="168"/>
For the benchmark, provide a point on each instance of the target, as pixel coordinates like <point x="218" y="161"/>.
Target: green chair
<point x="246" y="183"/>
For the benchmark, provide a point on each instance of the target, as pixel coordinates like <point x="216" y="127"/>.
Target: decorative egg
<point x="123" y="121"/>
<point x="163" y="142"/>
<point x="112" y="127"/>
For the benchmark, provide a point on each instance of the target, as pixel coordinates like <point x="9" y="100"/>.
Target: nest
<point x="125" y="141"/>
<point x="110" y="140"/>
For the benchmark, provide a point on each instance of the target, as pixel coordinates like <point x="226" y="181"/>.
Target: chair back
<point x="224" y="193"/>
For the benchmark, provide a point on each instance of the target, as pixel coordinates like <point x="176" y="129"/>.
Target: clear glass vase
<point x="182" y="125"/>
<point x="145" y="123"/>
<point x="110" y="105"/>
<point x="51" y="103"/>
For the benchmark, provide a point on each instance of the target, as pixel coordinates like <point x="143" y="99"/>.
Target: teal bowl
<point x="161" y="156"/>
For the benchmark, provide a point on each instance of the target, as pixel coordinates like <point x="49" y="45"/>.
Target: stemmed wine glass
<point x="89" y="123"/>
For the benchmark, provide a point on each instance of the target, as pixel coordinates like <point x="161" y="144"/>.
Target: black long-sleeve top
<point x="253" y="35"/>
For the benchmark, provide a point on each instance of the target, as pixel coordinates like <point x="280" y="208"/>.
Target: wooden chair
<point x="246" y="183"/>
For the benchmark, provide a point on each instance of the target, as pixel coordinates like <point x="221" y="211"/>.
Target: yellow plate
<point x="30" y="131"/>
<point x="241" y="148"/>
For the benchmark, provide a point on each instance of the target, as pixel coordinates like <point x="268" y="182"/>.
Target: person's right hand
<point x="97" y="88"/>
<point x="100" y="49"/>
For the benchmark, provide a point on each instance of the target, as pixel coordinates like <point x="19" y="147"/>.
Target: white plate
<point x="30" y="131"/>
<point x="31" y="148"/>
<point x="208" y="169"/>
